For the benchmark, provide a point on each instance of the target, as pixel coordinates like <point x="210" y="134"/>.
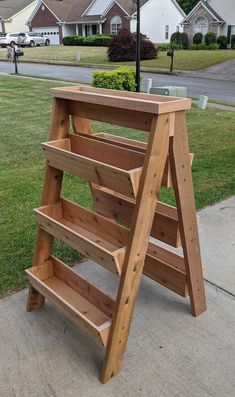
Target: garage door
<point x="52" y="33"/>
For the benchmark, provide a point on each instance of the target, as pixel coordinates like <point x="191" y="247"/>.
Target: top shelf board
<point x="153" y="104"/>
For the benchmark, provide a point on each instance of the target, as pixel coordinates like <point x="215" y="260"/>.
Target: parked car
<point x="30" y="39"/>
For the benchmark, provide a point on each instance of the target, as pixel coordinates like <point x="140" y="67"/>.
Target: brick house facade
<point x="191" y="26"/>
<point x="115" y="10"/>
<point x="215" y="16"/>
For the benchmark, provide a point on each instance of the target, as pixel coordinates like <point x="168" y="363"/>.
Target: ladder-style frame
<point x="127" y="193"/>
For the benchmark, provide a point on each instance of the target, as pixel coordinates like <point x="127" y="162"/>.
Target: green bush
<point x="176" y="38"/>
<point x="119" y="79"/>
<point x="73" y="40"/>
<point x="233" y="41"/>
<point x="213" y="46"/>
<point x="167" y="47"/>
<point x="202" y="46"/>
<point x="180" y="39"/>
<point x="98" y="40"/>
<point x="194" y="47"/>
<point x="95" y="40"/>
<point x="222" y="41"/>
<point x="184" y="41"/>
<point x="210" y="38"/>
<point x="197" y="38"/>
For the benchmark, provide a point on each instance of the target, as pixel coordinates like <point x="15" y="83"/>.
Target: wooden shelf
<point x="99" y="162"/>
<point x="166" y="268"/>
<point x="137" y="146"/>
<point x="116" y="206"/>
<point x="81" y="301"/>
<point x="91" y="234"/>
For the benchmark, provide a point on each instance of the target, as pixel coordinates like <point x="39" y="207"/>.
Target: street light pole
<point x="137" y="2"/>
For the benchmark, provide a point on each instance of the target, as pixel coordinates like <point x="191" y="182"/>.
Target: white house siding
<point x="19" y="20"/>
<point x="154" y="17"/>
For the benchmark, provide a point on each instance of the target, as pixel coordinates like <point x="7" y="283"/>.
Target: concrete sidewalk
<point x="169" y="352"/>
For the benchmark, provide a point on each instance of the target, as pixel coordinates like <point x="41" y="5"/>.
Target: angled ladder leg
<point x="183" y="185"/>
<point x="51" y="193"/>
<point x="150" y="184"/>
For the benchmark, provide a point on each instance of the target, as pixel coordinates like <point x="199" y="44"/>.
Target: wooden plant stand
<point x="125" y="178"/>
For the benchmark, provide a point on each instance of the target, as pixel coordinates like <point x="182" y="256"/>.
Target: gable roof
<point x="9" y="8"/>
<point x="73" y="11"/>
<point x="208" y="8"/>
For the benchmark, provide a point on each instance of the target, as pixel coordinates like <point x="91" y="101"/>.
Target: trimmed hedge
<point x="176" y="38"/>
<point x="210" y="38"/>
<point x="119" y="79"/>
<point x="123" y="47"/>
<point x="222" y="41"/>
<point x="167" y="47"/>
<point x="197" y="38"/>
<point x="99" y="40"/>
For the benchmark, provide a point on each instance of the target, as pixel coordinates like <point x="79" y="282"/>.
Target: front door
<point x="94" y="29"/>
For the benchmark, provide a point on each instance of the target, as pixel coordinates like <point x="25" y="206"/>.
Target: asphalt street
<point x="214" y="89"/>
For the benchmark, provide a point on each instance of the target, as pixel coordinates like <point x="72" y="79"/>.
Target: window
<point x="201" y="26"/>
<point x="167" y="28"/>
<point x="115" y="24"/>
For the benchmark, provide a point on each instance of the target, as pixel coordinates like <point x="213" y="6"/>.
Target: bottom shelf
<point x="80" y="300"/>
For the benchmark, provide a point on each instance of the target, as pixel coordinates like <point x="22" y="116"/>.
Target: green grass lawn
<point x="25" y="106"/>
<point x="184" y="60"/>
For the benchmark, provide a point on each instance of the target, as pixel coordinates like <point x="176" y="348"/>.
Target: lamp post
<point x="137" y="2"/>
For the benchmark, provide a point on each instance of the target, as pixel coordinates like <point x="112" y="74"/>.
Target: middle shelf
<point x="102" y="163"/>
<point x="105" y="242"/>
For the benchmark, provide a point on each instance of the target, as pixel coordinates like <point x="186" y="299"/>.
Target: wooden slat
<point x="106" y="152"/>
<point x="95" y="171"/>
<point x="51" y="192"/>
<point x="182" y="178"/>
<point x="116" y="206"/>
<point x="137" y="246"/>
<point x="111" y="115"/>
<point x="166" y="268"/>
<point x="134" y="145"/>
<point x="91" y="234"/>
<point x="98" y="298"/>
<point x="75" y="296"/>
<point x="122" y="100"/>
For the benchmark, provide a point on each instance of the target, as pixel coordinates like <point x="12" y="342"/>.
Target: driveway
<point x="224" y="71"/>
<point x="215" y="89"/>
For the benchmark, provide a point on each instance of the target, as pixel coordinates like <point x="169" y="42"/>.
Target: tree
<point x="187" y="5"/>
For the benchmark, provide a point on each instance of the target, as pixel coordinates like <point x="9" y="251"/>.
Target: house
<point x="211" y="16"/>
<point x="60" y="18"/>
<point x="14" y="15"/>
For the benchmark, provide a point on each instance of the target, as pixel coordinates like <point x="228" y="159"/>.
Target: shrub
<point x="233" y="41"/>
<point x="194" y="47"/>
<point x="176" y="38"/>
<point x="167" y="47"/>
<point x="119" y="79"/>
<point x="202" y="46"/>
<point x="197" y="38"/>
<point x="222" y="41"/>
<point x="210" y="38"/>
<point x="123" y="47"/>
<point x="98" y="40"/>
<point x="184" y="41"/>
<point x="213" y="46"/>
<point x="95" y="40"/>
